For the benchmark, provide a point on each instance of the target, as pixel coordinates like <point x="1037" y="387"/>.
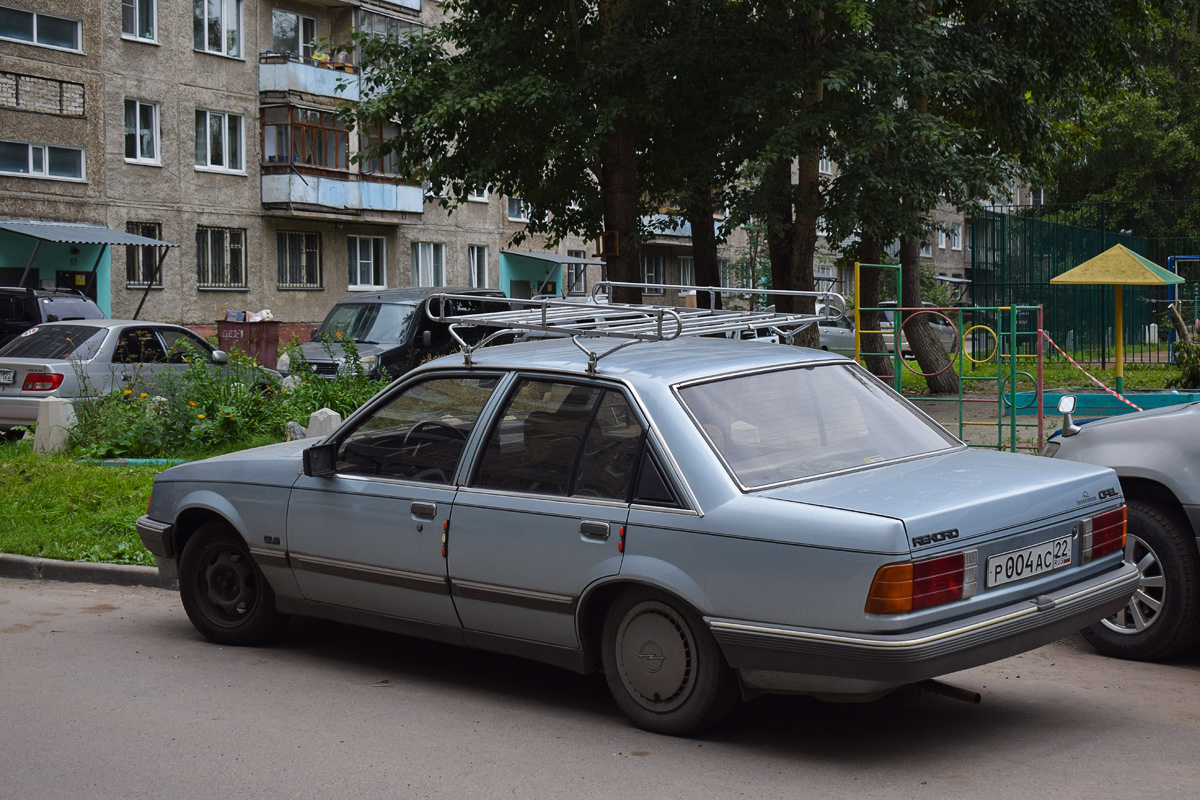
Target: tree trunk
<point x="704" y="251"/>
<point x="804" y="245"/>
<point x="619" y="193"/>
<point x="930" y="355"/>
<point x="870" y="251"/>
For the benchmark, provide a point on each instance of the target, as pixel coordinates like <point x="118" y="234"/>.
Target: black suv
<point x="21" y="309"/>
<point x="390" y="329"/>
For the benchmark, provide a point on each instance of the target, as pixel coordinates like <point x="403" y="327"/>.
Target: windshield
<point x="56" y="341"/>
<point x="369" y="323"/>
<point x="782" y="426"/>
<point x="64" y="308"/>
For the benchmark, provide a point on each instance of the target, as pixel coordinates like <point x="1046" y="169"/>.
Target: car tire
<point x="224" y="592"/>
<point x="1163" y="616"/>
<point x="663" y="667"/>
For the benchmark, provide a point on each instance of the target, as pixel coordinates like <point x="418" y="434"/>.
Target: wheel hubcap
<point x="656" y="657"/>
<point x="229" y="585"/>
<point x="1144" y="607"/>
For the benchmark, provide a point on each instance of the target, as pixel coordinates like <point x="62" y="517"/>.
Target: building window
<point x="293" y="34"/>
<point x="687" y="272"/>
<point x="478" y="195"/>
<point x="926" y="250"/>
<point x="220" y="258"/>
<point x="138" y="19"/>
<point x="941" y="240"/>
<point x="956" y="236"/>
<point x="217" y="26"/>
<point x="141" y="132"/>
<point x="37" y="28"/>
<point x="577" y="274"/>
<point x="652" y="273"/>
<point x="219" y="141"/>
<point x="380" y="26"/>
<point x="477" y="263"/>
<point x="41" y="160"/>
<point x="728" y="279"/>
<point x="299" y="260"/>
<point x="428" y="264"/>
<point x="304" y="136"/>
<point x="518" y="210"/>
<point x="825" y="165"/>
<point x="373" y="136"/>
<point x="141" y="260"/>
<point x="368" y="262"/>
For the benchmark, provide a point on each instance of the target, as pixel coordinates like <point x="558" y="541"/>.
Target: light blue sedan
<point x="701" y="519"/>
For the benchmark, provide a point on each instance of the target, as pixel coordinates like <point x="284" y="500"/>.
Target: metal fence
<point x="1016" y="250"/>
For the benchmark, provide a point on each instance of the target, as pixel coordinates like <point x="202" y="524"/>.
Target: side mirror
<point x="220" y="357"/>
<point x="319" y="460"/>
<point x="313" y="334"/>
<point x="1066" y="407"/>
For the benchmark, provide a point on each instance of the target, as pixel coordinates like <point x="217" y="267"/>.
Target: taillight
<point x="1102" y="534"/>
<point x="900" y="588"/>
<point x="42" y="382"/>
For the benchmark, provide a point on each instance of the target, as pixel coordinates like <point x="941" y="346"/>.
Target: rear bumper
<point x="16" y="411"/>
<point x="827" y="662"/>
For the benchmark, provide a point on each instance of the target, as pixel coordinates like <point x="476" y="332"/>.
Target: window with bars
<point x="368" y="262"/>
<point x="299" y="259"/>
<point x="141" y="260"/>
<point x="220" y="258"/>
<point x="304" y="136"/>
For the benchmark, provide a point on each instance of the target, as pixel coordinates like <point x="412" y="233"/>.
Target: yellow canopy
<point x="1118" y="265"/>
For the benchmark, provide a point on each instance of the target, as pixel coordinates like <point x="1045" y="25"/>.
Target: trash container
<point x="259" y="340"/>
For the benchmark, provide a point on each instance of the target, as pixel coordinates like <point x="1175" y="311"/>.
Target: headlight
<point x="283" y="364"/>
<point x="369" y="363"/>
<point x="1050" y="449"/>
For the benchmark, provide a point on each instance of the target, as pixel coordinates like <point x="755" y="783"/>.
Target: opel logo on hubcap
<point x="652" y="656"/>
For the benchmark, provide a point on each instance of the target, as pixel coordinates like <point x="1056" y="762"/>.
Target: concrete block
<point x="55" y="418"/>
<point x="323" y="422"/>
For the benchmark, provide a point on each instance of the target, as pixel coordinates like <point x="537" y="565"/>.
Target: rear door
<point x="541" y="518"/>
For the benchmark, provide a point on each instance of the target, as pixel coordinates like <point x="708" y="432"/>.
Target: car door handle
<point x="423" y="508"/>
<point x="594" y="530"/>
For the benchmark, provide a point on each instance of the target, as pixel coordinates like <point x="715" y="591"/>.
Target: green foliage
<point x="309" y="391"/>
<point x="1187" y="358"/>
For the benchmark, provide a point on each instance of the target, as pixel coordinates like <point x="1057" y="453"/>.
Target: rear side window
<point x="61" y="309"/>
<point x="57" y="341"/>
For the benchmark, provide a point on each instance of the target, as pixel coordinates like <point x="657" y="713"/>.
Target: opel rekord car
<point x="1156" y="455"/>
<point x="701" y="519"/>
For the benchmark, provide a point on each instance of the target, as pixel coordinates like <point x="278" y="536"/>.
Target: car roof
<point x="108" y="323"/>
<point x="44" y="292"/>
<point x="675" y="361"/>
<point x="415" y="294"/>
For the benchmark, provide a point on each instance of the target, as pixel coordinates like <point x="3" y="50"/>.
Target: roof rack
<point x="596" y="318"/>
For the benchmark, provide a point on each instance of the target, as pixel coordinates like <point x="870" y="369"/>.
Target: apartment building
<point x="211" y="126"/>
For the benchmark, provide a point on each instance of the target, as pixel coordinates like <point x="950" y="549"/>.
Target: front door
<point x="542" y="516"/>
<point x="370" y="536"/>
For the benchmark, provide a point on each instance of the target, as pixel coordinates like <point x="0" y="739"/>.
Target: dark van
<point x="390" y="329"/>
<point x="22" y="309"/>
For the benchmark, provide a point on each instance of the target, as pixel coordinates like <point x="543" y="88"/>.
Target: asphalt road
<point x="108" y="692"/>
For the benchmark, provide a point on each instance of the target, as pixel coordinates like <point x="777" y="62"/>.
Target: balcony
<point x="284" y="73"/>
<point x="324" y="194"/>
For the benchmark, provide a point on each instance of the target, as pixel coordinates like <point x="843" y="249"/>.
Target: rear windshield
<point x="60" y="309"/>
<point x="368" y="323"/>
<point x="56" y="341"/>
<point x="776" y="427"/>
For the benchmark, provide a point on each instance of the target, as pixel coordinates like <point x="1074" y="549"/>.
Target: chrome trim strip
<point x="270" y="558"/>
<point x="514" y="596"/>
<point x="400" y="579"/>
<point x="889" y="644"/>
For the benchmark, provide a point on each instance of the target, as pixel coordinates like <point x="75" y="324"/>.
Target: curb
<point x="49" y="569"/>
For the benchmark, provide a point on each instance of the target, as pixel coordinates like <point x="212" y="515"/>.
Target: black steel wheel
<point x="663" y="667"/>
<point x="1163" y="616"/>
<point x="223" y="591"/>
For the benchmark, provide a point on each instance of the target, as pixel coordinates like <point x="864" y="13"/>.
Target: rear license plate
<point x="6" y="375"/>
<point x="1029" y="561"/>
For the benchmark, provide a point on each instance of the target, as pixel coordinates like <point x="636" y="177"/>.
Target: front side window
<point x="183" y="346"/>
<point x="368" y="262"/>
<point x="138" y="19"/>
<point x="41" y="160"/>
<point x="477" y="265"/>
<point x="299" y="259"/>
<point x="563" y="439"/>
<point x="37" y="28"/>
<point x="420" y="434"/>
<point x="304" y="136"/>
<point x="219" y="141"/>
<point x="428" y="264"/>
<point x="220" y="258"/>
<point x="217" y="27"/>
<point x="141" y="260"/>
<point x="141" y="132"/>
<point x="292" y="33"/>
<point x="782" y="426"/>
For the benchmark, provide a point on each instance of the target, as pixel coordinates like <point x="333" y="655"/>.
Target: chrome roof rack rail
<point x="595" y="318"/>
